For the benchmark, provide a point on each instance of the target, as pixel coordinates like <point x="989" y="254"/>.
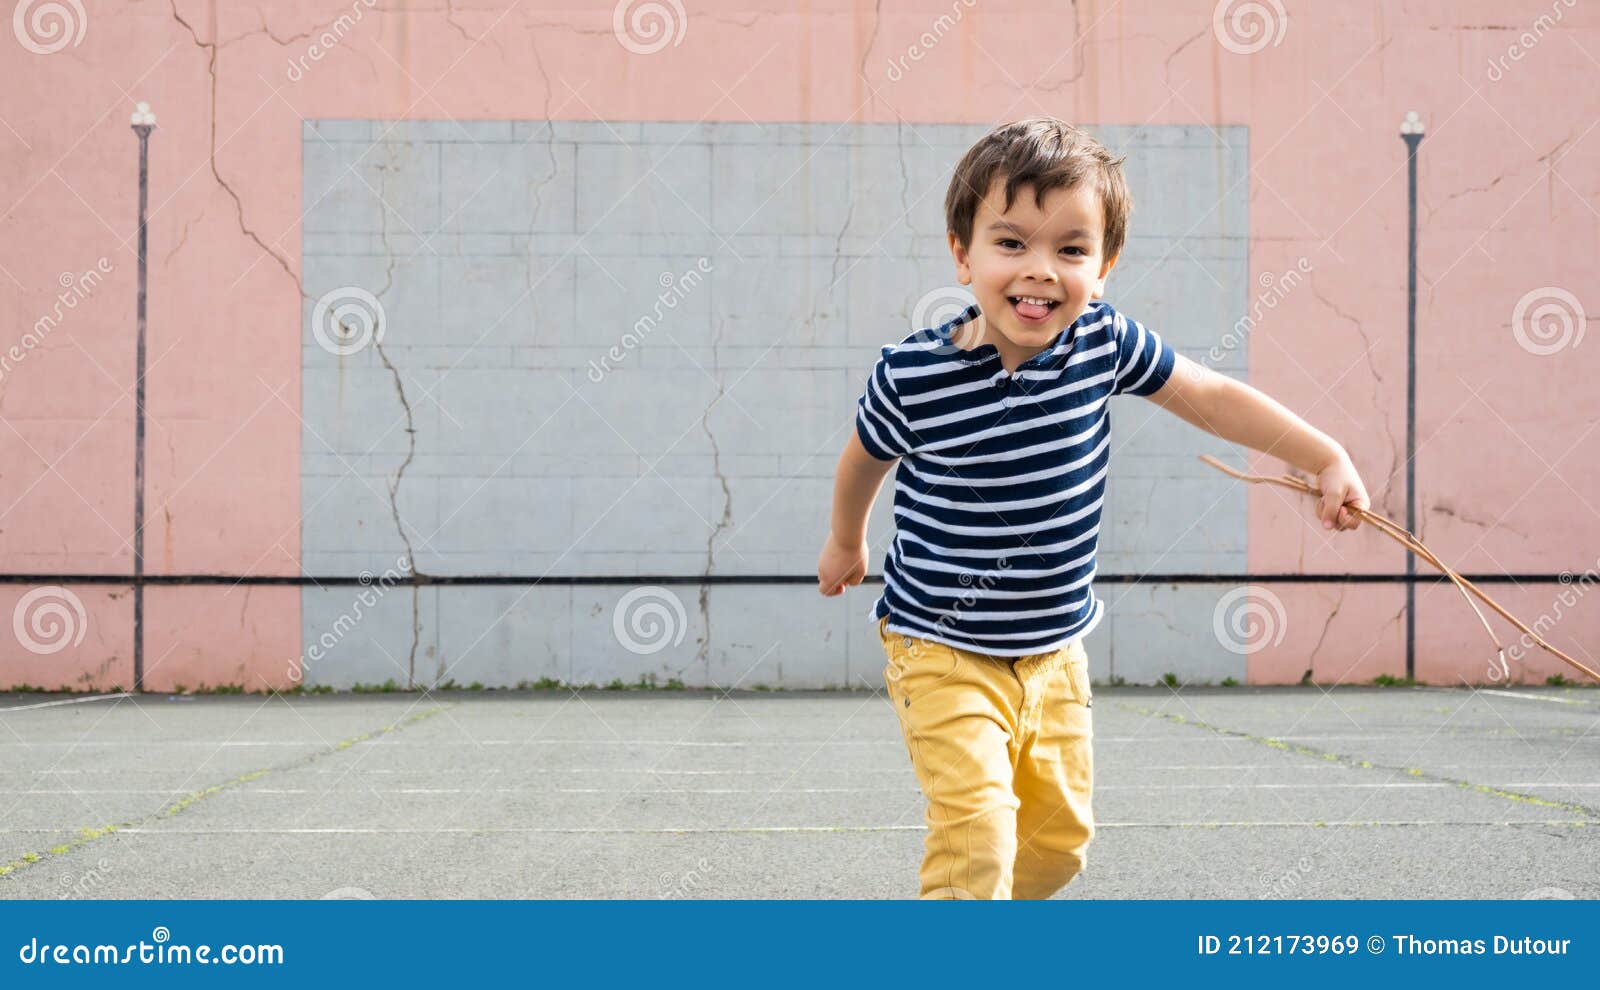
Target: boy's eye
<point x="1010" y="243"/>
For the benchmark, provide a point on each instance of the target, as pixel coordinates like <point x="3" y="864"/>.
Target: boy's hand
<point x="840" y="566"/>
<point x="1341" y="487"/>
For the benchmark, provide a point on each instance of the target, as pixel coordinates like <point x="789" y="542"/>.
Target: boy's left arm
<point x="1238" y="413"/>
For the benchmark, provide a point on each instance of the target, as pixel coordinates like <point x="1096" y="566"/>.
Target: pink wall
<point x="1509" y="176"/>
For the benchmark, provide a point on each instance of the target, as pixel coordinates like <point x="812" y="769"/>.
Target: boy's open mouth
<point x="1032" y="309"/>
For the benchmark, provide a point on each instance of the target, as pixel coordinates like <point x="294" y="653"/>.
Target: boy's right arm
<point x="855" y="486"/>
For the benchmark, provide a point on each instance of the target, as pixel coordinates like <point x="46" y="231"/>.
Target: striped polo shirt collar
<point x="1053" y="358"/>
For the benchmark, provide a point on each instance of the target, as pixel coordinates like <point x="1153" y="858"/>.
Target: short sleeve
<point x="880" y="422"/>
<point x="1144" y="361"/>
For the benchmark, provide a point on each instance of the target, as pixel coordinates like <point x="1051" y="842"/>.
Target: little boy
<point x="998" y="420"/>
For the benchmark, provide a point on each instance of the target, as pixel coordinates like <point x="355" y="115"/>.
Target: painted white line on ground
<point x="1533" y="697"/>
<point x="67" y="701"/>
<point x="533" y="830"/>
<point x="434" y="744"/>
<point x="149" y="744"/>
<point x="539" y="771"/>
<point x="344" y="794"/>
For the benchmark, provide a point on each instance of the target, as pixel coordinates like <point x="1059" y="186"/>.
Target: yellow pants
<point x="1001" y="748"/>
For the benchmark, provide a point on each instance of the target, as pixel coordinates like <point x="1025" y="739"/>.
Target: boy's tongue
<point x="1032" y="311"/>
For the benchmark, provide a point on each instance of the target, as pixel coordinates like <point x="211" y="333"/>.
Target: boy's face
<point x="1034" y="251"/>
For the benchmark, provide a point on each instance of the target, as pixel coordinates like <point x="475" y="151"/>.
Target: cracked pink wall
<point x="1507" y="463"/>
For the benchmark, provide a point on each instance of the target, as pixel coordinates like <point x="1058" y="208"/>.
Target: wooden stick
<point x="1410" y="542"/>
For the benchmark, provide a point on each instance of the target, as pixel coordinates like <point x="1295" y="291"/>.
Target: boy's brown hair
<point x="1046" y="153"/>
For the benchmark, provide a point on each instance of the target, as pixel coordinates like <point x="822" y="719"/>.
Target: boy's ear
<point x="1105" y="272"/>
<point x="959" y="253"/>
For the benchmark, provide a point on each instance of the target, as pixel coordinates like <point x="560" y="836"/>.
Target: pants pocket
<point x="1081" y="686"/>
<point x="1078" y="673"/>
<point x="916" y="664"/>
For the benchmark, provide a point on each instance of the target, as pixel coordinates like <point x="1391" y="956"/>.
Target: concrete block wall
<point x="489" y="434"/>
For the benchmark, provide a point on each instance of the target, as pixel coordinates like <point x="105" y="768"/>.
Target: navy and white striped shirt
<point x="998" y="493"/>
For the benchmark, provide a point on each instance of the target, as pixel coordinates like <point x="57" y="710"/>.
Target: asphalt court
<point x="1208" y="793"/>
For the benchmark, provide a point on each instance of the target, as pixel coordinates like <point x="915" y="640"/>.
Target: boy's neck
<point x="978" y="332"/>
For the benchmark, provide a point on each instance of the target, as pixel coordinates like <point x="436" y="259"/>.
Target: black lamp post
<point x="143" y="122"/>
<point x="1411" y="132"/>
